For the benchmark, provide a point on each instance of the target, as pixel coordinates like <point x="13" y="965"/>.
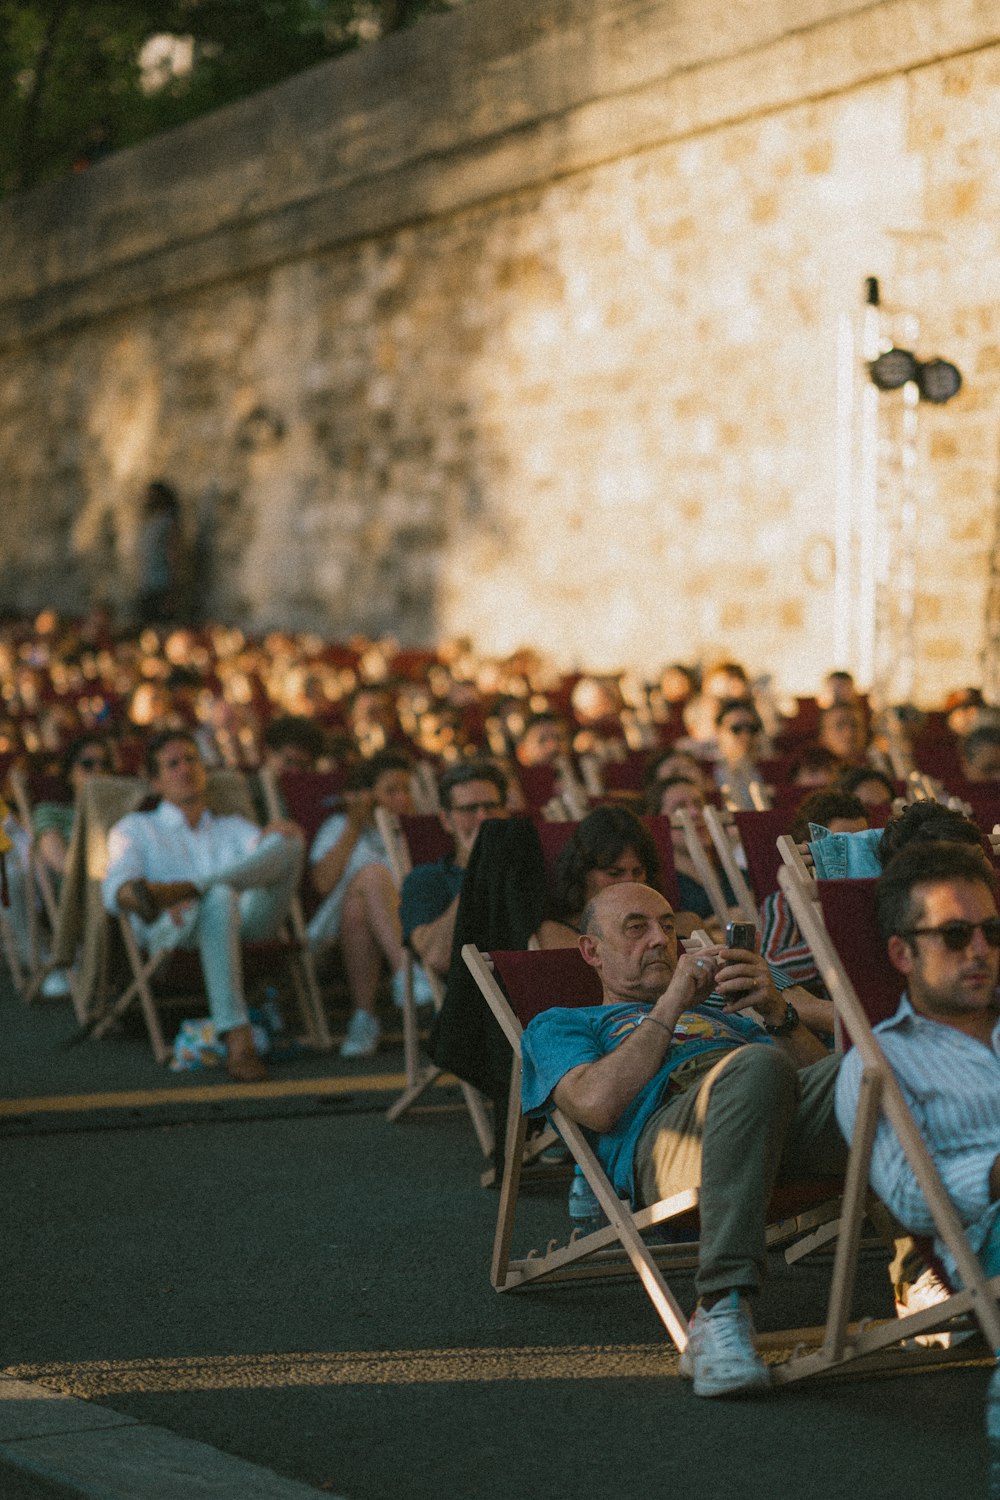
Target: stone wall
<point x="532" y="324"/>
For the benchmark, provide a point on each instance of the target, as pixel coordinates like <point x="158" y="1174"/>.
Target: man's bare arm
<point x="432" y="941"/>
<point x="597" y="1094"/>
<point x="147" y="898"/>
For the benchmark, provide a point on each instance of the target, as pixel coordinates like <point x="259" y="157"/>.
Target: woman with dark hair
<point x="606" y="847"/>
<point x="52" y="822"/>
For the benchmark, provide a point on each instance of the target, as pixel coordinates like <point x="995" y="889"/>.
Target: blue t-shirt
<point x="427" y="892"/>
<point x="563" y="1038"/>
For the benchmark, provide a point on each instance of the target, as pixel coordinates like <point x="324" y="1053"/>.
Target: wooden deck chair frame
<point x="39" y="880"/>
<point x="706" y="874"/>
<point x="420" y="1074"/>
<point x="143" y="968"/>
<point x="797" y="858"/>
<point x="717" y="826"/>
<point x="20" y="976"/>
<point x="617" y="1248"/>
<point x="880" y="1093"/>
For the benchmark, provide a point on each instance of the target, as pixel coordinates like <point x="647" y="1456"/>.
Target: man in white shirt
<point x="938" y="914"/>
<point x="188" y="878"/>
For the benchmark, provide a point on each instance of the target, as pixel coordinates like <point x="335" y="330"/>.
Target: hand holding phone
<point x="741" y="935"/>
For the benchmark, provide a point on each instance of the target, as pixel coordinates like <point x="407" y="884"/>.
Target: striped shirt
<point x="782" y="945"/>
<point x="952" y="1084"/>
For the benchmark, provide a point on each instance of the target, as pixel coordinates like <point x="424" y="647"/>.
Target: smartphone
<point x="741" y="935"/>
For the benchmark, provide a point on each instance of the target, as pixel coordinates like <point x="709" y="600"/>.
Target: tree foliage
<point x="72" y="86"/>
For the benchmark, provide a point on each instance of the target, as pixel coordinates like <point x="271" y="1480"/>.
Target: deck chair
<point x="707" y="875"/>
<point x="29" y="789"/>
<point x="14" y="936"/>
<point x="416" y="840"/>
<point x="228" y="793"/>
<point x="517" y="987"/>
<point x="719" y="825"/>
<point x="858" y="976"/>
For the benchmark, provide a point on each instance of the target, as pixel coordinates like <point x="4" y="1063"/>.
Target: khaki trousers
<point x="754" y="1120"/>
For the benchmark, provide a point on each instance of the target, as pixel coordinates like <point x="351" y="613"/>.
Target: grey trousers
<point x="753" y="1121"/>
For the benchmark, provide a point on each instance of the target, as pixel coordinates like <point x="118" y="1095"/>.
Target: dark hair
<point x="983" y="737"/>
<point x="650" y="779"/>
<point x="161" y="496"/>
<point x="471" y="770"/>
<point x="814" y="758"/>
<point x="821" y="806"/>
<point x="183" y="677"/>
<point x="657" y="788"/>
<point x="925" y="823"/>
<point x="730" y="705"/>
<point x="363" y="775"/>
<point x="923" y="863"/>
<point x="295" y="729"/>
<point x="164" y="737"/>
<point x="856" y="776"/>
<point x="75" y="749"/>
<point x="546" y="717"/>
<point x="595" y="843"/>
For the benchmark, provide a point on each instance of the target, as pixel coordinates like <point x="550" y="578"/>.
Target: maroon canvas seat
<point x="759" y="833"/>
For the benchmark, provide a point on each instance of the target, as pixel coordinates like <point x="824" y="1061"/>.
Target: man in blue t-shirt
<point x="470" y="793"/>
<point x="677" y="1093"/>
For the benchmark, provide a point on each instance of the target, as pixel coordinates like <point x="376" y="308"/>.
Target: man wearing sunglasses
<point x="738" y="736"/>
<point x="937" y="911"/>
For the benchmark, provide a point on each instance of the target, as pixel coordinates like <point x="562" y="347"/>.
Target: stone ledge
<point x="297" y="193"/>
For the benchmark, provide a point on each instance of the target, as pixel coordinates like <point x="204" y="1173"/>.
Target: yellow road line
<point x="95" y="1379"/>
<point x="222" y="1092"/>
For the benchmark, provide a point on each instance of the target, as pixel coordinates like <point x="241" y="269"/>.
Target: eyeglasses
<point x="92" y="763"/>
<point x="743" y="728"/>
<point x="478" y="807"/>
<point x="957" y="936"/>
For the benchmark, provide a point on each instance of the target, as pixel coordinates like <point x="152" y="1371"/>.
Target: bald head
<point x="627" y="934"/>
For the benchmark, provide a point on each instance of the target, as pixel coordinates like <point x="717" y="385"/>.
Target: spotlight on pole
<point x="938" y="380"/>
<point x="893" y="368"/>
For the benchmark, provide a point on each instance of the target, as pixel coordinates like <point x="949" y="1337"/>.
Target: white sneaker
<point x="720" y="1357"/>
<point x="55" y="985"/>
<point x="927" y="1291"/>
<point x="422" y="992"/>
<point x="363" y="1032"/>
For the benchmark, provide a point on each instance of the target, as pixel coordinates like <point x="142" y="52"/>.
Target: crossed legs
<point x="245" y="901"/>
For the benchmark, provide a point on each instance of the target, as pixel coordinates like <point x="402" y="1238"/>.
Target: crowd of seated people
<point x="473" y="738"/>
<point x="78" y="697"/>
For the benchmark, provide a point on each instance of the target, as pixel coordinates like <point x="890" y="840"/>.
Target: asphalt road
<point x="285" y="1276"/>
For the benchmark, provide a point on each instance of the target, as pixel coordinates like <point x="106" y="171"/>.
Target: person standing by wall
<point x="159" y="555"/>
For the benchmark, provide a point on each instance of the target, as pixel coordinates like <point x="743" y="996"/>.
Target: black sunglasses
<point x="957" y="936"/>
